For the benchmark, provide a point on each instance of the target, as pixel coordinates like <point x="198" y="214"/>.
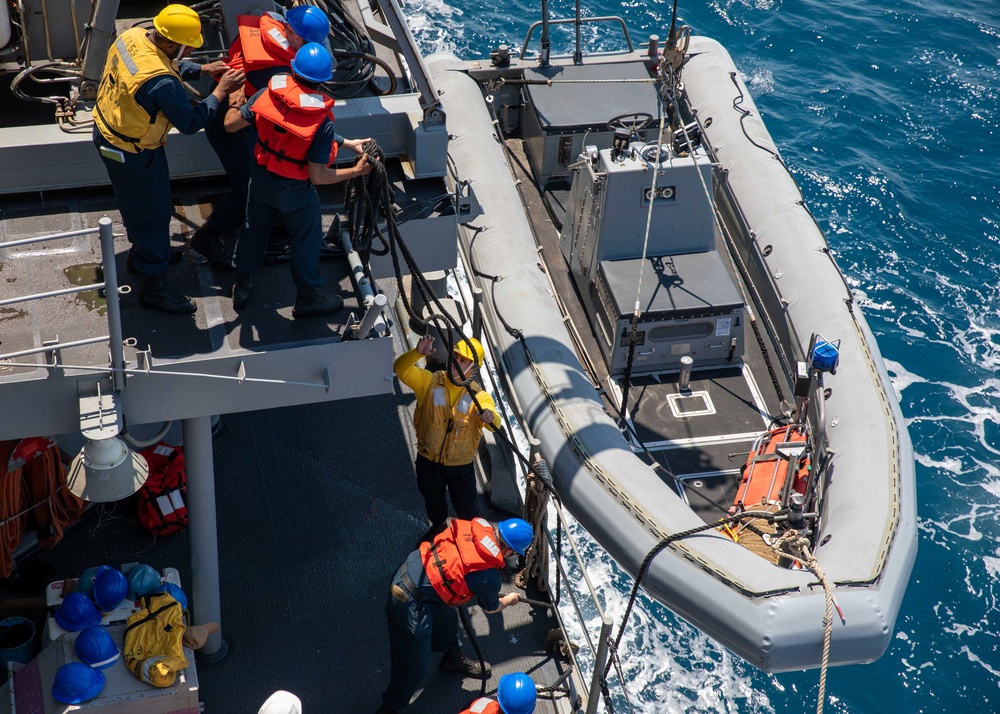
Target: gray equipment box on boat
<point x="688" y="304"/>
<point x="556" y="123"/>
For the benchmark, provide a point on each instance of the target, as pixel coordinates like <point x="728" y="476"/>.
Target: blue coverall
<point x="142" y="182"/>
<point x="295" y="200"/>
<point x="235" y="152"/>
<point x="426" y="624"/>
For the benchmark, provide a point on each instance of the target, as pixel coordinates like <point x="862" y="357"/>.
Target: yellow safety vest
<point x="132" y="60"/>
<point x="447" y="434"/>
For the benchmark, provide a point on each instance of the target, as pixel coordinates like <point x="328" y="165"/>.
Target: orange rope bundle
<point x="39" y="488"/>
<point x="11" y="518"/>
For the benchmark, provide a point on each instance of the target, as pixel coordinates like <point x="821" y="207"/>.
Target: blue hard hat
<point x="310" y="23"/>
<point x="110" y="588"/>
<point x="176" y="593"/>
<point x="516" y="533"/>
<point x="313" y="62"/>
<point x="86" y="582"/>
<point x="76" y="683"/>
<point x="77" y="612"/>
<point x="516" y="694"/>
<point x="142" y="580"/>
<point x="96" y="647"/>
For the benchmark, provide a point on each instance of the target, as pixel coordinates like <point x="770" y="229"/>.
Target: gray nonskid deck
<point x="316" y="507"/>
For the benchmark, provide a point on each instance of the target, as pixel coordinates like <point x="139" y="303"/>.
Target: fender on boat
<point x="770" y="616"/>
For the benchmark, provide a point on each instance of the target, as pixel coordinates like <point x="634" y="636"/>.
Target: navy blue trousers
<point x="142" y="188"/>
<point x="297" y="202"/>
<point x="415" y="630"/>
<point x="235" y="152"/>
<point x="435" y="480"/>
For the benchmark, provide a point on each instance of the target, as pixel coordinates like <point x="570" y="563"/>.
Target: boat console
<point x="635" y="240"/>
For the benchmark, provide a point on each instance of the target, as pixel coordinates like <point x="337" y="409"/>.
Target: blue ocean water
<point x="888" y="114"/>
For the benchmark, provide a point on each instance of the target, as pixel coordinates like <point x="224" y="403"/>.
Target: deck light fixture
<point x="105" y="469"/>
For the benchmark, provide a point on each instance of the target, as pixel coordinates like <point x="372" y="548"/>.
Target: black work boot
<point x="310" y="302"/>
<point x="457" y="662"/>
<point x="211" y="245"/>
<point x="242" y="289"/>
<point x="155" y="295"/>
<point x="176" y="253"/>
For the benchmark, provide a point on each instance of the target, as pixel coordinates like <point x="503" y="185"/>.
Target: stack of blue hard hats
<point x="176" y="593"/>
<point x="77" y="612"/>
<point x="86" y="582"/>
<point x="142" y="580"/>
<point x="96" y="647"/>
<point x="110" y="588"/>
<point x="75" y="683"/>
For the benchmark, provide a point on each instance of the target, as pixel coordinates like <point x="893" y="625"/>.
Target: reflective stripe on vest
<point x="132" y="60"/>
<point x="466" y="547"/>
<point x="484" y="706"/>
<point x="446" y="434"/>
<point x="261" y="43"/>
<point x="288" y="116"/>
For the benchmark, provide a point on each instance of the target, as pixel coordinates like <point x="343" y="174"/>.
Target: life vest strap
<point x="132" y="140"/>
<point x="439" y="563"/>
<point x="282" y="156"/>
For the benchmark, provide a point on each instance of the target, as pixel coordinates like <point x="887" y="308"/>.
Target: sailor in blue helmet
<point x="139" y="98"/>
<point x="265" y="46"/>
<point x="463" y="562"/>
<point x="516" y="694"/>
<point x="296" y="145"/>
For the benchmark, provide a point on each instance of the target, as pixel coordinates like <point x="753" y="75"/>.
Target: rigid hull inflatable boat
<point x="716" y="363"/>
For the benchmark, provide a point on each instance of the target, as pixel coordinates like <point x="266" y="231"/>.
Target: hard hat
<point x="75" y="683"/>
<point x="313" y="62"/>
<point x="462" y="348"/>
<point x="180" y="24"/>
<point x="310" y="23"/>
<point x="176" y="593"/>
<point x="85" y="584"/>
<point x="516" y="533"/>
<point x="96" y="647"/>
<point x="516" y="694"/>
<point x="77" y="612"/>
<point x="110" y="588"/>
<point x="281" y="702"/>
<point x="142" y="580"/>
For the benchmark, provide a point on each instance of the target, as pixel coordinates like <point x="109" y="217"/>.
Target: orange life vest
<point x="484" y="706"/>
<point x="261" y="43"/>
<point x="288" y="117"/>
<point x="466" y="547"/>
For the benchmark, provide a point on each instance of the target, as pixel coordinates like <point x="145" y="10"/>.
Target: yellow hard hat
<point x="462" y="348"/>
<point x="180" y="24"/>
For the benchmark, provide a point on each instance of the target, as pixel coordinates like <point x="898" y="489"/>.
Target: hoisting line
<point x="613" y="650"/>
<point x="633" y="333"/>
<point x="369" y="200"/>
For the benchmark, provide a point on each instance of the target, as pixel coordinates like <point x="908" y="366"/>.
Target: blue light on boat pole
<point x="825" y="355"/>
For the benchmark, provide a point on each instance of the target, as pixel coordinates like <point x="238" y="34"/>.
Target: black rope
<point x="659" y="547"/>
<point x="470" y="633"/>
<point x="627" y="379"/>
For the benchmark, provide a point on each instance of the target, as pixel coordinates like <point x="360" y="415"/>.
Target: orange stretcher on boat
<point x="779" y="456"/>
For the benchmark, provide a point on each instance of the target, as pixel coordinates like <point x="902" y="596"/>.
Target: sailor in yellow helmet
<point x="139" y="98"/>
<point x="449" y="428"/>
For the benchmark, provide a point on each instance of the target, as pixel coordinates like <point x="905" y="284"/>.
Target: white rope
<point x="797" y="542"/>
<point x="649" y="215"/>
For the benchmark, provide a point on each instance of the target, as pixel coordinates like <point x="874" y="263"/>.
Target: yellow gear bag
<point x="153" y="649"/>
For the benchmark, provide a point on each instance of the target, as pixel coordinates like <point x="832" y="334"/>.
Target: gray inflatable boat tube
<point x="770" y="616"/>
